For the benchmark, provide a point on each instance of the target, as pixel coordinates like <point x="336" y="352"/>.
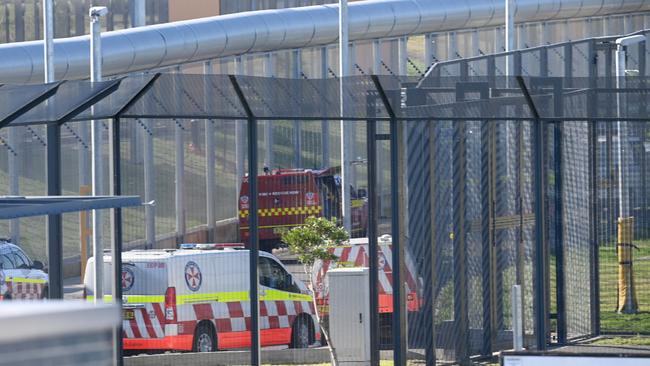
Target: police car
<point x="196" y="298"/>
<point x="20" y="277"/>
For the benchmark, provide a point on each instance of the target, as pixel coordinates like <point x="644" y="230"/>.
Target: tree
<point x="311" y="242"/>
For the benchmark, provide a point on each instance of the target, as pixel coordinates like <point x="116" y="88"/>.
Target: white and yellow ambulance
<point x="20" y="277"/>
<point x="196" y="298"/>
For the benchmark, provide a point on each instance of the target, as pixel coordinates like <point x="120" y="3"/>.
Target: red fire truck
<point x="286" y="197"/>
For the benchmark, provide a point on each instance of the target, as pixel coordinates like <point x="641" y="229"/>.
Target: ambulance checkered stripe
<point x="25" y="291"/>
<point x="283" y="211"/>
<point x="357" y="256"/>
<point x="227" y="317"/>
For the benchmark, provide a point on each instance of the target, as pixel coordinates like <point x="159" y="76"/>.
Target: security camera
<point x="98" y="11"/>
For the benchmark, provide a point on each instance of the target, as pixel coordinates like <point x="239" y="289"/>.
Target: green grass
<point x="611" y="321"/>
<point x="623" y="341"/>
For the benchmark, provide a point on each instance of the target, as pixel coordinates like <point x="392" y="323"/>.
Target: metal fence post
<point x="540" y="251"/>
<point x="95" y="14"/>
<point x="116" y="225"/>
<point x="54" y="222"/>
<point x="179" y="165"/>
<point x="210" y="179"/>
<point x="373" y="251"/>
<point x="269" y="71"/>
<point x="399" y="298"/>
<point x="558" y="109"/>
<point x="149" y="186"/>
<point x="324" y="124"/>
<point x="13" y="162"/>
<point x="253" y="222"/>
<point x="296" y="68"/>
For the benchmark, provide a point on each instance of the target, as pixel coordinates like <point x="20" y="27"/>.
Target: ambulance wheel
<point x="205" y="339"/>
<point x="46" y="293"/>
<point x="301" y="333"/>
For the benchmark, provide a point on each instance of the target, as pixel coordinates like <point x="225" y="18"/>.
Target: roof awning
<point x="13" y="207"/>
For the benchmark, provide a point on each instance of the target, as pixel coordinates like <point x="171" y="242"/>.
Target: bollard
<point x="517" y="319"/>
<point x="627" y="303"/>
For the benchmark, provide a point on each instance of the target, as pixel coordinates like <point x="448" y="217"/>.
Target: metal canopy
<point x="70" y="99"/>
<point x="17" y="207"/>
<point x="15" y="100"/>
<point x="186" y="96"/>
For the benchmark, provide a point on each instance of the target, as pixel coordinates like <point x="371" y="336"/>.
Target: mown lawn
<point x="611" y="321"/>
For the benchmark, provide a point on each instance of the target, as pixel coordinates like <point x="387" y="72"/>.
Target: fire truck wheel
<point x="300" y="334"/>
<point x="204" y="338"/>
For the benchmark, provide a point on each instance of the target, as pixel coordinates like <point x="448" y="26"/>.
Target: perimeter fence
<point x="482" y="183"/>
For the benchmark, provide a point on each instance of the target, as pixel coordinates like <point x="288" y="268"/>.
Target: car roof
<point x="170" y="253"/>
<point x="6" y="246"/>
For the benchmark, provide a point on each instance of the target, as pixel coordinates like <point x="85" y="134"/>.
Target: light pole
<point x="627" y="302"/>
<point x="95" y="13"/>
<point x="510" y="35"/>
<point x="345" y="128"/>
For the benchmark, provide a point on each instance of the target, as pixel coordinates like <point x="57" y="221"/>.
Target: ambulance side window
<point x="21" y="260"/>
<point x="273" y="275"/>
<point x="6" y="262"/>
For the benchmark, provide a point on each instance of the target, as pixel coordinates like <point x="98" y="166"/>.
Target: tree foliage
<point x="313" y="240"/>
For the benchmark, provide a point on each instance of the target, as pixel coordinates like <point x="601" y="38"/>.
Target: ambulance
<point x="20" y="277"/>
<point x="196" y="298"/>
<point x="286" y="197"/>
<point x="354" y="253"/>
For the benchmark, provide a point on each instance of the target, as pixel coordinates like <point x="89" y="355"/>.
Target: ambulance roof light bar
<point x="212" y="246"/>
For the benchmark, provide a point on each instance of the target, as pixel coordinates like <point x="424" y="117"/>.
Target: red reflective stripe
<point x="385" y="303"/>
<point x="203" y="311"/>
<point x="281" y="307"/>
<point x="234" y="340"/>
<point x="263" y="310"/>
<point x="157" y="307"/>
<point x="180" y="342"/>
<point x="361" y="259"/>
<point x="235" y="309"/>
<point x="147" y="324"/>
<point x="187" y="327"/>
<point x="223" y="325"/>
<point x="135" y="328"/>
<point x="271" y="337"/>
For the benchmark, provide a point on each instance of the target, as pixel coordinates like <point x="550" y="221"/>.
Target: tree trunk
<point x="318" y="318"/>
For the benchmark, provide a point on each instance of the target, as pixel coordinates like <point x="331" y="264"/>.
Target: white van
<point x="197" y="299"/>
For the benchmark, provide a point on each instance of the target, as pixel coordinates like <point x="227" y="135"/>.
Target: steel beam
<point x="296" y="71"/>
<point x="116" y="225"/>
<point x="253" y="223"/>
<point x="324" y="125"/>
<point x="179" y="166"/>
<point x="373" y="217"/>
<point x="210" y="161"/>
<point x="540" y="268"/>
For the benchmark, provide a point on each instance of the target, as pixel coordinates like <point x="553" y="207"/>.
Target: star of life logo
<point x="193" y="277"/>
<point x="128" y="278"/>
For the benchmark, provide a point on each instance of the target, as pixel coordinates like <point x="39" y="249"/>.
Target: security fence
<point x="482" y="182"/>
